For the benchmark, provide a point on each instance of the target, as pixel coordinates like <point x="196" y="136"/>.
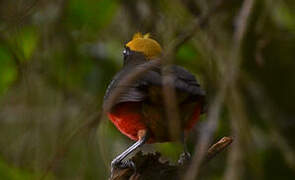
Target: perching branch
<point x="150" y="167"/>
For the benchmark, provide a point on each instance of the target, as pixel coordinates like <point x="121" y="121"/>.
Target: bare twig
<point x="217" y="148"/>
<point x="238" y="116"/>
<point x="170" y="102"/>
<point x="241" y="21"/>
<point x="191" y="31"/>
<point x="206" y="136"/>
<point x="240" y="131"/>
<point x="228" y="80"/>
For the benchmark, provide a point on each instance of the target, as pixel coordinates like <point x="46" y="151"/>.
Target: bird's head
<point x="150" y="48"/>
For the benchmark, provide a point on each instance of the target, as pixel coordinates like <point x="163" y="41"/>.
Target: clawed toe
<point x="123" y="165"/>
<point x="184" y="158"/>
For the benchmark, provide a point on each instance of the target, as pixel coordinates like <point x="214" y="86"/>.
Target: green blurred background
<point x="57" y="57"/>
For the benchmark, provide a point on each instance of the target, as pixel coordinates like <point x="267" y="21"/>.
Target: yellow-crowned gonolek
<point x="139" y="110"/>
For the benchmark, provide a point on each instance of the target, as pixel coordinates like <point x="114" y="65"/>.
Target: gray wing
<point x="183" y="80"/>
<point x="126" y="93"/>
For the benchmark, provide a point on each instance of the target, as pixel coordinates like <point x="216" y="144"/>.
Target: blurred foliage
<point x="57" y="57"/>
<point x="7" y="67"/>
<point x="7" y="172"/>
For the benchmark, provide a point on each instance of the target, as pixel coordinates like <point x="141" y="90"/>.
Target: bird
<point x="138" y="109"/>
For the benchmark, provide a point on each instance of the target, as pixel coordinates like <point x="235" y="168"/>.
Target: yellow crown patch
<point x="143" y="43"/>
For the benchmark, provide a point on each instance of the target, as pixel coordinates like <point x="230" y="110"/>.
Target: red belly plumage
<point x="194" y="119"/>
<point x="128" y="119"/>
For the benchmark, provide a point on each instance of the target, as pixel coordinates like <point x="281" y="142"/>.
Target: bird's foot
<point x="184" y="158"/>
<point x="115" y="165"/>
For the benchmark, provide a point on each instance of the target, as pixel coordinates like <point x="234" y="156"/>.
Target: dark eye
<point x="126" y="52"/>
